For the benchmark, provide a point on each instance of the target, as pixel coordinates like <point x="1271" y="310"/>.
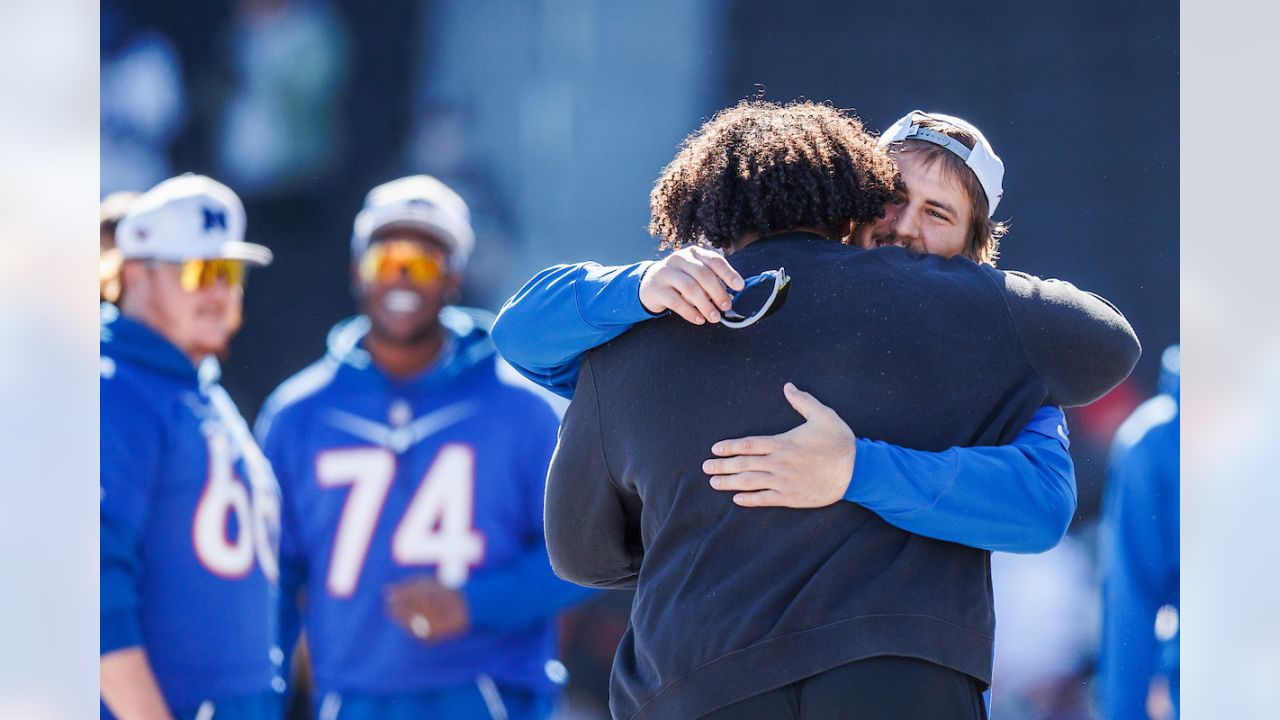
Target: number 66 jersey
<point x="440" y="475"/>
<point x="189" y="527"/>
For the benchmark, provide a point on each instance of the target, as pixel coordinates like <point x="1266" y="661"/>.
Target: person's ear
<point x="133" y="282"/>
<point x="845" y="231"/>
<point x="357" y="287"/>
<point x="133" y="274"/>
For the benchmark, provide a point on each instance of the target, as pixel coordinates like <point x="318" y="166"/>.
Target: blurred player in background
<point x="189" y="509"/>
<point x="1141" y="559"/>
<point x="412" y="463"/>
<point x="113" y="208"/>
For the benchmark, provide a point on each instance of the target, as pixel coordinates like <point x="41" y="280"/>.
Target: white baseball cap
<point x="187" y="217"/>
<point x="422" y="203"/>
<point x="981" y="159"/>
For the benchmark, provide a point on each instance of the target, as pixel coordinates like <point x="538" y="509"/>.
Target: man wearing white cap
<point x="412" y="464"/>
<point x="952" y="182"/>
<point x="189" y="507"/>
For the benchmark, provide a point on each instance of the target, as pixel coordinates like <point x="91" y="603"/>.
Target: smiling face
<point x="931" y="215"/>
<point x="405" y="281"/>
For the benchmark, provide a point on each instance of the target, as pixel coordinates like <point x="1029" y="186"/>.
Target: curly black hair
<point x="763" y="168"/>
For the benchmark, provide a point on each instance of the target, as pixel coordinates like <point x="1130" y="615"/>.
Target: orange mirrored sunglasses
<point x="200" y="274"/>
<point x="391" y="260"/>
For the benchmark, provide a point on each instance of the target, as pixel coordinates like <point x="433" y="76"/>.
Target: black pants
<point x="879" y="688"/>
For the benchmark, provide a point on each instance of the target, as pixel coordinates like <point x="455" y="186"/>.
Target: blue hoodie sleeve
<point x="564" y="311"/>
<point x="529" y="576"/>
<point x="131" y="438"/>
<point x="1139" y="546"/>
<point x="1011" y="498"/>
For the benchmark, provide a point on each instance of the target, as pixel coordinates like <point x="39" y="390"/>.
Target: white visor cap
<point x="187" y="217"/>
<point x="981" y="159"/>
<point x="422" y="203"/>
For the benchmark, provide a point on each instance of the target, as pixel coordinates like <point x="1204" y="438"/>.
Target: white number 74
<point x="436" y="527"/>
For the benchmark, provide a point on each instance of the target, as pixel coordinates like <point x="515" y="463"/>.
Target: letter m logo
<point x="215" y="220"/>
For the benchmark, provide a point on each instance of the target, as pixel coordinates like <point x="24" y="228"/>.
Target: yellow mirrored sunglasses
<point x="200" y="274"/>
<point x="391" y="260"/>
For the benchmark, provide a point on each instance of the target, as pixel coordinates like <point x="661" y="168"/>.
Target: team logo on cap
<point x="214" y="219"/>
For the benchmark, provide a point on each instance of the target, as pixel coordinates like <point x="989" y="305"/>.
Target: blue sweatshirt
<point x="440" y="474"/>
<point x="189" y="527"/>
<point x="1140" y="555"/>
<point x="1012" y="498"/>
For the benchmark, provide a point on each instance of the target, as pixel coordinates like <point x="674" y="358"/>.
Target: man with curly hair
<point x="758" y="169"/>
<point x="772" y="613"/>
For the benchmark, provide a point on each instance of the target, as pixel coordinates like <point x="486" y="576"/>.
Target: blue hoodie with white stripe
<point x="440" y="474"/>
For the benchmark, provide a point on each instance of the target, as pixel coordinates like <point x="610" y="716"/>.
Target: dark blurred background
<point x="553" y="117"/>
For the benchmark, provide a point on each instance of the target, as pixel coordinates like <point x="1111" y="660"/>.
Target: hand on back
<point x="806" y="467"/>
<point x="692" y="282"/>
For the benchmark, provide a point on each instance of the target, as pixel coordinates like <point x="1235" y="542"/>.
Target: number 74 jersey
<point x="441" y="475"/>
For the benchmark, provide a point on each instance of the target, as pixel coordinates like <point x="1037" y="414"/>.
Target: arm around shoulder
<point x="1012" y="498"/>
<point x="564" y="311"/>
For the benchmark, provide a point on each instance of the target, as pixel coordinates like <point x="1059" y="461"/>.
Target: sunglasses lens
<point x="369" y="264"/>
<point x="424" y="270"/>
<point x="189" y="276"/>
<point x="389" y="261"/>
<point x="200" y="274"/>
<point x="229" y="271"/>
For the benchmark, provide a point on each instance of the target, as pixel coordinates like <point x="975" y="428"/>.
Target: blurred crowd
<point x="301" y="106"/>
